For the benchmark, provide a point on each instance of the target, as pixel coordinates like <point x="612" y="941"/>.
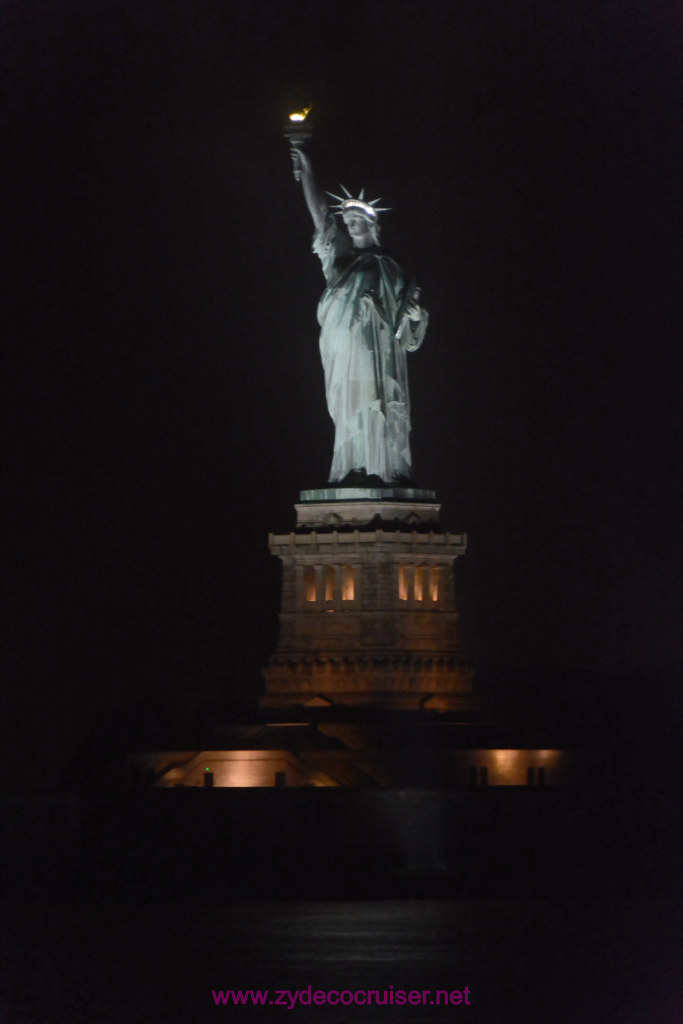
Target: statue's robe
<point x="366" y="380"/>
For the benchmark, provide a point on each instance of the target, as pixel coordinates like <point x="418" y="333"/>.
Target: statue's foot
<point x="361" y="478"/>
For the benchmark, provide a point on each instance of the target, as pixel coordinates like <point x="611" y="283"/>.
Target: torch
<point x="296" y="131"/>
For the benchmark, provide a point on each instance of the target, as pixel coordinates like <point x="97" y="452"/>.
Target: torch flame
<point x="300" y="115"/>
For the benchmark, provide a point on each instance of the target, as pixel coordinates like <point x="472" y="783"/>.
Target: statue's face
<point x="358" y="227"/>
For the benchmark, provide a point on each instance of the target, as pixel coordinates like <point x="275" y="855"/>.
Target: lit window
<point x="347" y="583"/>
<point x="402" y="583"/>
<point x="329" y="583"/>
<point x="309" y="583"/>
<point x="434" y="583"/>
<point x="419" y="585"/>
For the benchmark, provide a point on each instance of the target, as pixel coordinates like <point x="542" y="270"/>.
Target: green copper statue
<point x="369" y="318"/>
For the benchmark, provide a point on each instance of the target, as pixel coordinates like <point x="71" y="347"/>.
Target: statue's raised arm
<point x="369" y="316"/>
<point x="315" y="198"/>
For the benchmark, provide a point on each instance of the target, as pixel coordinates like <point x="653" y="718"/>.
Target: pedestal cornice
<point x="361" y="506"/>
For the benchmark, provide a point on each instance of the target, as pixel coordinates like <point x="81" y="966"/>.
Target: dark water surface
<point x="524" y="962"/>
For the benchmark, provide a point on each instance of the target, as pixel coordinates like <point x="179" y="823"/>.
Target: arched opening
<point x="329" y="583"/>
<point x="402" y="583"/>
<point x="348" y="588"/>
<point x="434" y="573"/>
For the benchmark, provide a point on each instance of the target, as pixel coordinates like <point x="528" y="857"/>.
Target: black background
<point x="165" y="395"/>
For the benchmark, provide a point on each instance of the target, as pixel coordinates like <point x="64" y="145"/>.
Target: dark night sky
<point x="166" y="399"/>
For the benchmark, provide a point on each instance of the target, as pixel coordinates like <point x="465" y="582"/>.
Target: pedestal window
<point x="419" y="583"/>
<point x="402" y="583"/>
<point x="434" y="574"/>
<point x="329" y="584"/>
<point x="348" y="583"/>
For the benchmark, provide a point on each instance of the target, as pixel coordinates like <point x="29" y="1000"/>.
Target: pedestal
<point x="368" y="615"/>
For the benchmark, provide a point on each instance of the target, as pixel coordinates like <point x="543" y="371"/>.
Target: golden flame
<point x="300" y="115"/>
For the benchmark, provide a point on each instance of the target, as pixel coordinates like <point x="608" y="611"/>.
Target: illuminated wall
<point x="510" y="767"/>
<point x="358" y="766"/>
<point x="238" y="768"/>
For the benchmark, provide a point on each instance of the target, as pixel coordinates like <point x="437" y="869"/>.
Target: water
<point x="524" y="962"/>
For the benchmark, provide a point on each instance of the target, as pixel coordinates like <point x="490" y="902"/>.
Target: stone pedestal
<point x="368" y="611"/>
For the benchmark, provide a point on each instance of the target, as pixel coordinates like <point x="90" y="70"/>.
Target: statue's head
<point x="364" y="230"/>
<point x="360" y="217"/>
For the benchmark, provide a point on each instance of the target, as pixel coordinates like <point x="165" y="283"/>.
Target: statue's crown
<point x="369" y="208"/>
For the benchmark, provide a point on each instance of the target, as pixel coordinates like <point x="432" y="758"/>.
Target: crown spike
<point x="368" y="207"/>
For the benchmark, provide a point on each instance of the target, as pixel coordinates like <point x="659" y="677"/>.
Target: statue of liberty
<point x="369" y="318"/>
